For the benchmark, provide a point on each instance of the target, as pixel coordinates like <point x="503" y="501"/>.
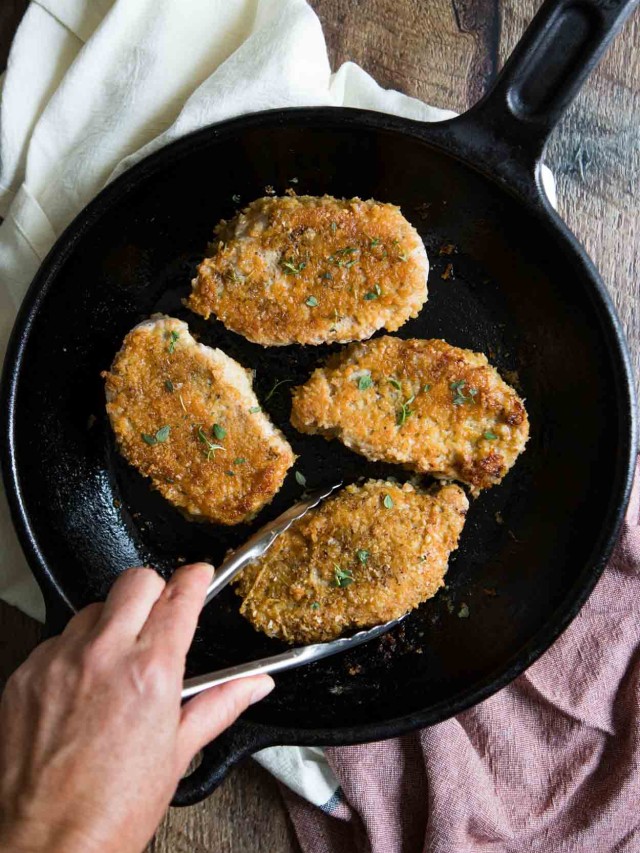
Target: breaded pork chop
<point x="186" y="416"/>
<point x="309" y="270"/>
<point x="371" y="553"/>
<point x="423" y="404"/>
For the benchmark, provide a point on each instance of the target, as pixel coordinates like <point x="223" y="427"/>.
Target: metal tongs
<point x="254" y="548"/>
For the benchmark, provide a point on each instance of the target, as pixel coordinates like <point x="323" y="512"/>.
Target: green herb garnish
<point x="342" y="577"/>
<point x="334" y="227"/>
<point x="393" y="381"/>
<point x="375" y="242"/>
<point x="315" y="606"/>
<point x="463" y="613"/>
<point x="363" y="555"/>
<point x="239" y="460"/>
<point x="459" y="397"/>
<point x="426" y="388"/>
<point x="275" y="387"/>
<point x="490" y="436"/>
<point x="312" y="302"/>
<point x="173" y="340"/>
<point x="254" y="409"/>
<point x="365" y="382"/>
<point x="290" y="267"/>
<point x="301" y="480"/>
<point x="388" y="502"/>
<point x="326" y="276"/>
<point x="373" y="294"/>
<point x="339" y="257"/>
<point x="404" y="411"/>
<point x="168" y="385"/>
<point x="230" y="473"/>
<point x="211" y="447"/>
<point x="219" y="431"/>
<point x="159" y="438"/>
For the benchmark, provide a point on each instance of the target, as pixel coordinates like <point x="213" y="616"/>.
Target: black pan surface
<point x="520" y="289"/>
<point x="531" y="547"/>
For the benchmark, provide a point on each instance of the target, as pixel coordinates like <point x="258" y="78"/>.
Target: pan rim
<point x="538" y="206"/>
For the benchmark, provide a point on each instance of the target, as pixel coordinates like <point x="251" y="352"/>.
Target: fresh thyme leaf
<point x="365" y="382"/>
<point x="373" y="294"/>
<point x="219" y="431"/>
<point x="211" y="447"/>
<point x="334" y="227"/>
<point x="388" y="502"/>
<point x="301" y="480"/>
<point x="459" y="397"/>
<point x="404" y="411"/>
<point x="315" y="606"/>
<point x="339" y="257"/>
<point x="375" y="242"/>
<point x="148" y="439"/>
<point x="326" y="276"/>
<point x="173" y="340"/>
<point x="230" y="473"/>
<point x="275" y="387"/>
<point x="363" y="555"/>
<point x="403" y="256"/>
<point x="312" y="302"/>
<point x="342" y="577"/>
<point x="291" y="268"/>
<point x="490" y="436"/>
<point x="239" y="460"/>
<point x="393" y="381"/>
<point x="168" y="385"/>
<point x="163" y="434"/>
<point x="426" y="388"/>
<point x="254" y="409"/>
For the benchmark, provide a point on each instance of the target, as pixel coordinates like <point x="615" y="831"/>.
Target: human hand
<point x="93" y="736"/>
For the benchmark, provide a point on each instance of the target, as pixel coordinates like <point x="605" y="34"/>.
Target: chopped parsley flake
<point x="168" y="385"/>
<point x="365" y="382"/>
<point x="172" y="342"/>
<point x="342" y="577"/>
<point x="230" y="473"/>
<point x="239" y="460"/>
<point x="219" y="431"/>
<point x="315" y="606"/>
<point x="326" y="276"/>
<point x="254" y="409"/>
<point x="312" y="302"/>
<point x="301" y="480"/>
<point x="388" y="502"/>
<point x="426" y="388"/>
<point x="375" y="242"/>
<point x="363" y="555"/>
<point x="490" y="436"/>
<point x="334" y="227"/>
<point x="393" y="381"/>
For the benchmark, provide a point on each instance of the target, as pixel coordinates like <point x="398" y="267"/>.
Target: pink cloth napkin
<point x="550" y="764"/>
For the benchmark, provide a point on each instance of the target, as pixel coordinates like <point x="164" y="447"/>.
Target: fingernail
<point x="262" y="689"/>
<point x="211" y="569"/>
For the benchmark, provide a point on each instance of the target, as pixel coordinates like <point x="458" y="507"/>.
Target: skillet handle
<point x="560" y="48"/>
<point x="218" y="758"/>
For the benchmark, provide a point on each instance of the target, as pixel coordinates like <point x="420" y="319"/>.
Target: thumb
<point x="210" y="713"/>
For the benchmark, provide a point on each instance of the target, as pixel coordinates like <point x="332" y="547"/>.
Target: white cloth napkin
<point x="94" y="85"/>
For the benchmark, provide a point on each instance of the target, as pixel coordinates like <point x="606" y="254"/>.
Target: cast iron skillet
<point x="522" y="291"/>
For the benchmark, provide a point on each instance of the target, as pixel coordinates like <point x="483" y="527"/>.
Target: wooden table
<point x="445" y="52"/>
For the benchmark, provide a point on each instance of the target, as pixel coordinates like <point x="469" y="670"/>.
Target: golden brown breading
<point x="426" y="405"/>
<point x="370" y="554"/>
<point x="186" y="416"/>
<point x="313" y="269"/>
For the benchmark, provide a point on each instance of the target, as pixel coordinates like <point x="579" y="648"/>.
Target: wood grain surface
<point x="445" y="52"/>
